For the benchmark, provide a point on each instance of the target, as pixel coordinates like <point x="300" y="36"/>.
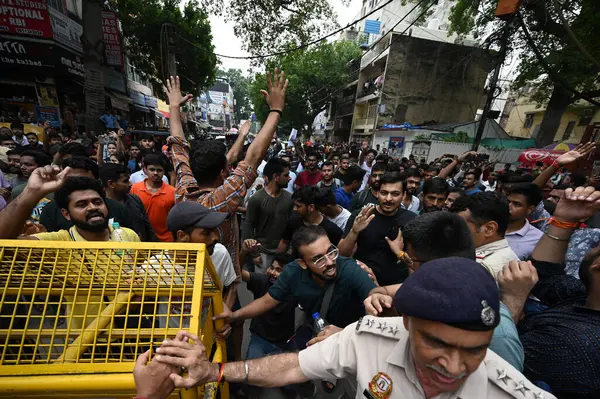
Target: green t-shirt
<point x="352" y="286"/>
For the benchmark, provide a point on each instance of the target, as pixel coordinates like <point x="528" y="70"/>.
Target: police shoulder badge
<point x="380" y="386"/>
<point x="488" y="316"/>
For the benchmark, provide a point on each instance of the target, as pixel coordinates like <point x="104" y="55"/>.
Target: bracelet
<point x="401" y="255"/>
<point x="555" y="164"/>
<point x="246" y="369"/>
<point x="221" y="372"/>
<point x="562" y="224"/>
<point x="555" y="237"/>
<point x="276" y="110"/>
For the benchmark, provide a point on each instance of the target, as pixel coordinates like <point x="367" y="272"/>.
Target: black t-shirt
<point x="277" y="325"/>
<point x="373" y="249"/>
<point x="295" y="223"/>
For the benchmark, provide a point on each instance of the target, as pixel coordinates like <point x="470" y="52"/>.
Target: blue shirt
<point x="472" y="191"/>
<point x="505" y="341"/>
<point x="343" y="198"/>
<point x="524" y="240"/>
<point x="110" y="121"/>
<point x="352" y="286"/>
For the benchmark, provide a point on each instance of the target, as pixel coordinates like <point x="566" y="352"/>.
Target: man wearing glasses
<point x="307" y="278"/>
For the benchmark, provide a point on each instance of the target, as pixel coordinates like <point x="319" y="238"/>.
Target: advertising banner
<point x="27" y="18"/>
<point x="49" y="114"/>
<point x="112" y="39"/>
<point x="66" y="31"/>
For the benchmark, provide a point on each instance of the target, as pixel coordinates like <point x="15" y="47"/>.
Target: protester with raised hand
<point x="203" y="172"/>
<point x="564" y="338"/>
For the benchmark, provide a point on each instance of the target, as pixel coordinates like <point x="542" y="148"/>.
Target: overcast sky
<point x="227" y="43"/>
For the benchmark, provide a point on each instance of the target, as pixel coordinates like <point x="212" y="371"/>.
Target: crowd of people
<point x="453" y="278"/>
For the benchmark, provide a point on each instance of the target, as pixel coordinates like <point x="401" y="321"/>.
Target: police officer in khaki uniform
<point x="439" y="348"/>
<point x="495" y="255"/>
<point x="487" y="215"/>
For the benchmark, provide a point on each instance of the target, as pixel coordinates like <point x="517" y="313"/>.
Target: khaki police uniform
<point x="494" y="256"/>
<point x="376" y="352"/>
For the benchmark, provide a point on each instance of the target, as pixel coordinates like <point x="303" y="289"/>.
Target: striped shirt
<point x="225" y="198"/>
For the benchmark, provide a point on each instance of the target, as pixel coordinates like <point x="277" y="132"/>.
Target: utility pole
<point x="492" y="87"/>
<point x="506" y="10"/>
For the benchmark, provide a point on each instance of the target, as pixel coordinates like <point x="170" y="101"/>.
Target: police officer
<point x="450" y="307"/>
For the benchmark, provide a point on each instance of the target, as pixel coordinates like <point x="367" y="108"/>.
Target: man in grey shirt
<point x="269" y="209"/>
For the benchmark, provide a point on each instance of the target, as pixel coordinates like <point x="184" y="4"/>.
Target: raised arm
<point x="233" y="155"/>
<point x="568" y="158"/>
<point x="45" y="138"/>
<point x="275" y="98"/>
<point x="362" y="220"/>
<point x="176" y="100"/>
<point x="444" y="173"/>
<point x="42" y="181"/>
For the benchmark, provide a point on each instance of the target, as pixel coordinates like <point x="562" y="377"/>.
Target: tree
<point x="241" y="92"/>
<point x="316" y="75"/>
<point x="142" y="22"/>
<point x="264" y="24"/>
<point x="555" y="42"/>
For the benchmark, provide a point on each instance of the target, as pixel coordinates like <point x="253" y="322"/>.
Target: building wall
<point x="427" y="80"/>
<point x="525" y="119"/>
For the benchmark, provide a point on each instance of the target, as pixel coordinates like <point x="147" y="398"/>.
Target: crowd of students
<point x="343" y="230"/>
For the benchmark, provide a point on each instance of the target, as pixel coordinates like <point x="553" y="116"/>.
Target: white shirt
<point x="290" y="186"/>
<point x="223" y="265"/>
<point x="367" y="169"/>
<point x="414" y="205"/>
<point x="341" y="219"/>
<point x="159" y="270"/>
<point x="141" y="176"/>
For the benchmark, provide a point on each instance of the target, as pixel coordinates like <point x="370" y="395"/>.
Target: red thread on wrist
<point x="555" y="164"/>
<point x="562" y="224"/>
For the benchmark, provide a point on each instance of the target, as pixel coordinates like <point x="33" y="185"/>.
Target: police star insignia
<point x="502" y="376"/>
<point x="381" y="326"/>
<point x="520" y="386"/>
<point x="370" y="323"/>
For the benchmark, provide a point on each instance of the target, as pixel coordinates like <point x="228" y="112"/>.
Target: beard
<point x="95" y="227"/>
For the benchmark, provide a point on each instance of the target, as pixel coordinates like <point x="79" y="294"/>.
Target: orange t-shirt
<point x="157" y="206"/>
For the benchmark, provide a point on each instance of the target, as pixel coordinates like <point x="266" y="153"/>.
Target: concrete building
<point x="522" y="118"/>
<point x="423" y="76"/>
<point x="220" y="105"/>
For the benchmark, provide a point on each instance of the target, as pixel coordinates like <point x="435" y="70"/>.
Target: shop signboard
<point x="25" y="18"/>
<point x="114" y="80"/>
<point x="49" y="114"/>
<point x="69" y="64"/>
<point x="150" y="101"/>
<point x="66" y="31"/>
<point x="25" y="55"/>
<point x="47" y="95"/>
<point x="112" y="39"/>
<point x="137" y="97"/>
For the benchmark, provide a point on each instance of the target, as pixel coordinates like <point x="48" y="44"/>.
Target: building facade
<point x="522" y="118"/>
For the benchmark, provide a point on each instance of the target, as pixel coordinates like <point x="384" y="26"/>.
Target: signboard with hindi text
<point x="25" y="18"/>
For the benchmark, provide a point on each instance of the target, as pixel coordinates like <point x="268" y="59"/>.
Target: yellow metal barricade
<point x="74" y="316"/>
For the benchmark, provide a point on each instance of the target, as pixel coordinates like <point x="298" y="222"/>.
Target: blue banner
<point x="50" y="114"/>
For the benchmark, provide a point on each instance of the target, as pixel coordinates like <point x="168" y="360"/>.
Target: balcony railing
<point x="364" y="123"/>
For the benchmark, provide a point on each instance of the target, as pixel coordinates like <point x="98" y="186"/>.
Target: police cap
<point x="454" y="291"/>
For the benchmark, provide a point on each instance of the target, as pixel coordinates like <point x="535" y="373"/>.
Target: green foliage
<point x="459" y="137"/>
<point x="142" y="21"/>
<point x="263" y="24"/>
<point x="316" y="75"/>
<point x="241" y="92"/>
<point x="422" y="137"/>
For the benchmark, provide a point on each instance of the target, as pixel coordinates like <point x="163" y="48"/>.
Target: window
<point x="528" y="121"/>
<point x="568" y="130"/>
<point x="56" y="4"/>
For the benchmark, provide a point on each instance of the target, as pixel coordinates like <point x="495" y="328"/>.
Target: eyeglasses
<point x="332" y="254"/>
